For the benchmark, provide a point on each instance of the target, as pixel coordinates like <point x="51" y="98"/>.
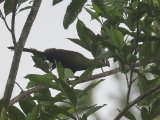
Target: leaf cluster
<point x="129" y="34"/>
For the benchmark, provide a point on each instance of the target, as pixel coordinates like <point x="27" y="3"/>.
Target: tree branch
<point x="129" y="105"/>
<point x="38" y="88"/>
<point x="96" y="76"/>
<point x="25" y="93"/>
<point x="17" y="55"/>
<point x="13" y="24"/>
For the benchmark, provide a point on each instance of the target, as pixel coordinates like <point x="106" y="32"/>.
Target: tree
<point x="130" y="33"/>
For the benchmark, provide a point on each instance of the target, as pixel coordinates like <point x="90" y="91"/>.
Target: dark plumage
<point x="69" y="59"/>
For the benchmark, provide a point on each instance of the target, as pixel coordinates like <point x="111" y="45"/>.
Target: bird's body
<point x="69" y="59"/>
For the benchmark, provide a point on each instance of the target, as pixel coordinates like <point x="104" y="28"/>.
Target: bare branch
<point x="25" y="94"/>
<point x="96" y="76"/>
<point x="141" y="97"/>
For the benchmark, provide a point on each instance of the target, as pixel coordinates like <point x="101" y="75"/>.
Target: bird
<point x="68" y="59"/>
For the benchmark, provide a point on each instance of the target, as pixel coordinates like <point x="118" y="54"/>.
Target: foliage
<point x="130" y="34"/>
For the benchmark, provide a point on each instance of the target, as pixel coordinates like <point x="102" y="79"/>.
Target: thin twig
<point x="20" y="88"/>
<point x="138" y="99"/>
<point x="135" y="53"/>
<point x="129" y="87"/>
<point x="127" y="80"/>
<point x="13" y="23"/>
<point x="4" y="20"/>
<point x="135" y="79"/>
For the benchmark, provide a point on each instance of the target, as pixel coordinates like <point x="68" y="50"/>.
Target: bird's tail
<point x="31" y="50"/>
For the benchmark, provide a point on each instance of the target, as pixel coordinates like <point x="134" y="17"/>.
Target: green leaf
<point x="144" y="114"/>
<point x="84" y="117"/>
<point x="117" y="37"/>
<point x="129" y="115"/>
<point x="27" y="105"/>
<point x="60" y="71"/>
<point x="68" y="74"/>
<point x="72" y="12"/>
<point x="45" y="80"/>
<point x="9" y="6"/>
<point x="15" y="113"/>
<point x="57" y="98"/>
<point x="78" y="42"/>
<point x="25" y="8"/>
<point x="43" y="95"/>
<point x="40" y="63"/>
<point x="93" y="110"/>
<point x="85" y="38"/>
<point x="58" y="111"/>
<point x="84" y="75"/>
<point x="142" y="83"/>
<point x="21" y="2"/>
<point x="92" y="85"/>
<point x="1" y="104"/>
<point x="33" y="115"/>
<point x="31" y="84"/>
<point x="99" y="6"/>
<point x="155" y="109"/>
<point x="56" y="2"/>
<point x="68" y="91"/>
<point x="152" y="54"/>
<point x="85" y="107"/>
<point x="93" y="15"/>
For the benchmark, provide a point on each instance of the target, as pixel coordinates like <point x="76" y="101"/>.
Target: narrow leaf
<point x="129" y="115"/>
<point x="117" y="37"/>
<point x="56" y="2"/>
<point x="40" y="63"/>
<point x="33" y="115"/>
<point x="45" y="80"/>
<point x="25" y="8"/>
<point x="58" y="110"/>
<point x="86" y="39"/>
<point x="8" y="6"/>
<point x="60" y="71"/>
<point x="78" y="42"/>
<point x="68" y="74"/>
<point x="27" y="105"/>
<point x="93" y="110"/>
<point x="72" y="12"/>
<point x="84" y="75"/>
<point x="93" y="15"/>
<point x="92" y="85"/>
<point x="68" y="91"/>
<point x="144" y="114"/>
<point x="15" y="113"/>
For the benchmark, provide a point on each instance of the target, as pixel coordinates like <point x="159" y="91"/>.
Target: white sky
<point x="48" y="32"/>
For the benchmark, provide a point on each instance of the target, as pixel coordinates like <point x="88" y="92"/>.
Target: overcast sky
<point x="48" y="32"/>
